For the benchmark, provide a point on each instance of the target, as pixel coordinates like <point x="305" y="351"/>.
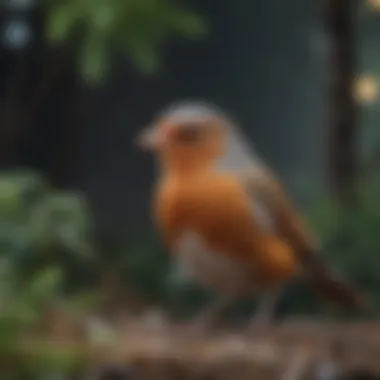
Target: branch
<point x="299" y="366"/>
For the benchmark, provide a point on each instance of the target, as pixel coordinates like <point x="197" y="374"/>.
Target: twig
<point x="325" y="370"/>
<point x="298" y="367"/>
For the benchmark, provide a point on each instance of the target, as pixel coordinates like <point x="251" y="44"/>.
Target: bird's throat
<point x="186" y="169"/>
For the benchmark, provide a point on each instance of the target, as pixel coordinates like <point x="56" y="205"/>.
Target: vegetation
<point x="49" y="255"/>
<point x="45" y="240"/>
<point x="137" y="29"/>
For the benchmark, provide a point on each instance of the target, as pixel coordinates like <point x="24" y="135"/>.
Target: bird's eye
<point x="188" y="133"/>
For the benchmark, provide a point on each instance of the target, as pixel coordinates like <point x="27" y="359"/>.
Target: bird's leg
<point x="207" y="318"/>
<point x="264" y="315"/>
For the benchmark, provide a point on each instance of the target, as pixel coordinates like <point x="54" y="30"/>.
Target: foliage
<point x="22" y="306"/>
<point x="350" y="238"/>
<point x="46" y="247"/>
<point x="136" y="28"/>
<point x="40" y="227"/>
<point x="145" y="266"/>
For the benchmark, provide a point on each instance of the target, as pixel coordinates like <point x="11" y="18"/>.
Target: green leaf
<point x="47" y="357"/>
<point x="61" y="20"/>
<point x="94" y="58"/>
<point x="44" y="283"/>
<point x="115" y="23"/>
<point x="102" y="17"/>
<point x="189" y="24"/>
<point x="145" y="58"/>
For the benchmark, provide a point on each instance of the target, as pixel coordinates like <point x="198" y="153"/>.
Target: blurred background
<point x="80" y="78"/>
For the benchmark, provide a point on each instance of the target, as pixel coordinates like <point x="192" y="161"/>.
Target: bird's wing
<point x="266" y="190"/>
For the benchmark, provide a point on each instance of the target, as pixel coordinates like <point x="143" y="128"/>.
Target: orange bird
<point x="224" y="215"/>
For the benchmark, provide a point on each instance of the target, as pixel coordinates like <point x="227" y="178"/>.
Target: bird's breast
<point x="212" y="234"/>
<point x="213" y="269"/>
<point x="194" y="204"/>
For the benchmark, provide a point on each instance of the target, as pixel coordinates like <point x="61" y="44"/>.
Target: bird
<point x="226" y="217"/>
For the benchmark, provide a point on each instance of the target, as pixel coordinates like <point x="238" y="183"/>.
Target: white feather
<point x="215" y="270"/>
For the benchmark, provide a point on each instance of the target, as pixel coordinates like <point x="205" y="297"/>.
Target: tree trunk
<point x="342" y="131"/>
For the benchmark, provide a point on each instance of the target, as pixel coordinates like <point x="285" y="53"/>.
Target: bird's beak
<point x="150" y="139"/>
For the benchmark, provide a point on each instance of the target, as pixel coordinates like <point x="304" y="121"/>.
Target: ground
<point x="293" y="351"/>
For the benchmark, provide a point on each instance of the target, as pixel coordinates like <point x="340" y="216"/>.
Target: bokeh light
<point x="16" y="35"/>
<point x="366" y="89"/>
<point x="374" y="4"/>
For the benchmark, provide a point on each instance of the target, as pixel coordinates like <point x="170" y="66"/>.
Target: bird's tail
<point x="332" y="288"/>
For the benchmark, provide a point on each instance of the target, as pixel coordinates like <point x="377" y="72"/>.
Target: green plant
<point x="22" y="306"/>
<point x="350" y="237"/>
<point x="40" y="227"/>
<point x="136" y="28"/>
<point x="45" y="248"/>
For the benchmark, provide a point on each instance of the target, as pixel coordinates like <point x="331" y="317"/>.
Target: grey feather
<point x="239" y="155"/>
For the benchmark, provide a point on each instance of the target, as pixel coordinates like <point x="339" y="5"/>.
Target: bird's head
<point x="191" y="133"/>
